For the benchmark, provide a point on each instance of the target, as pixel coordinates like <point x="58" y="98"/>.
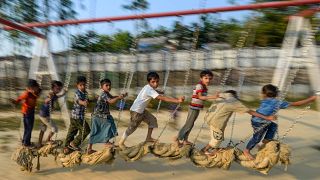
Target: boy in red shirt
<point x="29" y="100"/>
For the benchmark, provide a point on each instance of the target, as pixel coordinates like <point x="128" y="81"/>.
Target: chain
<point x="240" y="43"/>
<point x="86" y="98"/>
<point x="307" y="43"/>
<point x="12" y="89"/>
<point x="186" y="78"/>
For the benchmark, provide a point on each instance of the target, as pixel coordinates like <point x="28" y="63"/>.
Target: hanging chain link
<point x="240" y="43"/>
<point x="306" y="44"/>
<point x="186" y="77"/>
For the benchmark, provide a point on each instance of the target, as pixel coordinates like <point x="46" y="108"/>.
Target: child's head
<point x="270" y="91"/>
<point x="33" y="87"/>
<point x="153" y="79"/>
<point x="81" y="83"/>
<point x="56" y="86"/>
<point x="105" y="85"/>
<point x="206" y="76"/>
<point x="233" y="93"/>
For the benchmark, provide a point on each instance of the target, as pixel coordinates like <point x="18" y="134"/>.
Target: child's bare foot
<point x="247" y="154"/>
<point x="39" y="145"/>
<point x="205" y="149"/>
<point x="176" y="140"/>
<point x="187" y="142"/>
<point x="66" y="150"/>
<point x="212" y="153"/>
<point x="74" y="147"/>
<point x="109" y="145"/>
<point x="151" y="140"/>
<point x="90" y="151"/>
<point x="122" y="145"/>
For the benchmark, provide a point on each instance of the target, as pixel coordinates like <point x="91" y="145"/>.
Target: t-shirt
<point x="45" y="107"/>
<point x="144" y="97"/>
<point x="268" y="107"/>
<point x="30" y="101"/>
<point x="77" y="109"/>
<point x="224" y="109"/>
<point x="102" y="107"/>
<point x="197" y="103"/>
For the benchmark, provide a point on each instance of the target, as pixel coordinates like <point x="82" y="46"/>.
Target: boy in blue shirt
<point x="269" y="105"/>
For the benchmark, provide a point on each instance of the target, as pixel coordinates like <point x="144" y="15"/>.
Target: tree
<point x="120" y="42"/>
<point x="138" y="7"/>
<point x="24" y="11"/>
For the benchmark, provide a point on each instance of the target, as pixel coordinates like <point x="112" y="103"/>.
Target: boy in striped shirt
<point x="199" y="95"/>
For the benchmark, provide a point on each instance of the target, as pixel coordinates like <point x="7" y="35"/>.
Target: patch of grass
<point x="6" y="139"/>
<point x="13" y="123"/>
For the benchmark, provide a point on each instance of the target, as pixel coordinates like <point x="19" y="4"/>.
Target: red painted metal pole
<point x="278" y="4"/>
<point x="21" y="28"/>
<point x="308" y="12"/>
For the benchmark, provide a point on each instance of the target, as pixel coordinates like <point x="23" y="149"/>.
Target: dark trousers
<point x="266" y="129"/>
<point x="186" y="129"/>
<point x="28" y="121"/>
<point x="76" y="125"/>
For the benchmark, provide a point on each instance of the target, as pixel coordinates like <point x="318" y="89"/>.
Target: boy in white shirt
<point x="139" y="113"/>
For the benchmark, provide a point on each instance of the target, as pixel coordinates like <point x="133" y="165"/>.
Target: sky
<point x="108" y="8"/>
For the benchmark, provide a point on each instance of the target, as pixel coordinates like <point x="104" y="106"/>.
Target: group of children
<point x="103" y="128"/>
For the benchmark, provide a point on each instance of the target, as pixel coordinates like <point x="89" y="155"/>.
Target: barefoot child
<point x="46" y="122"/>
<point x="226" y="104"/>
<point x="138" y="110"/>
<point x="103" y="128"/>
<point x="199" y="95"/>
<point x="29" y="98"/>
<point x="77" y="121"/>
<point x="269" y="106"/>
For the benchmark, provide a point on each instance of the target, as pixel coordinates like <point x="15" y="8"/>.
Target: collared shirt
<point x="144" y="97"/>
<point x="30" y="101"/>
<point x="45" y="107"/>
<point x="268" y="107"/>
<point x="78" y="111"/>
<point x="197" y="103"/>
<point x="102" y="107"/>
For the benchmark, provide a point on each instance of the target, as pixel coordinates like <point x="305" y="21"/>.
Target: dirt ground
<point x="304" y="140"/>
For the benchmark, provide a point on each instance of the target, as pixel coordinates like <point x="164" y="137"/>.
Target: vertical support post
<point x="286" y="52"/>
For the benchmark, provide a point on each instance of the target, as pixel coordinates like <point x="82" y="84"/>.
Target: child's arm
<point x="169" y="99"/>
<point x="23" y="96"/>
<point x="114" y="99"/>
<point x="215" y="96"/>
<point x="303" y="102"/>
<point x="83" y="102"/>
<point x="64" y="92"/>
<point x="269" y="118"/>
<point x="159" y="92"/>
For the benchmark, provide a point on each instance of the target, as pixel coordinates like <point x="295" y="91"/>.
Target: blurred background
<point x="172" y="46"/>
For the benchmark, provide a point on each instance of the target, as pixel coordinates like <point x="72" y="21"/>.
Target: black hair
<point x="56" y="83"/>
<point x="233" y="92"/>
<point x="270" y="90"/>
<point x="33" y="83"/>
<point x="152" y="75"/>
<point x="81" y="79"/>
<point x="205" y="73"/>
<point x="105" y="81"/>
